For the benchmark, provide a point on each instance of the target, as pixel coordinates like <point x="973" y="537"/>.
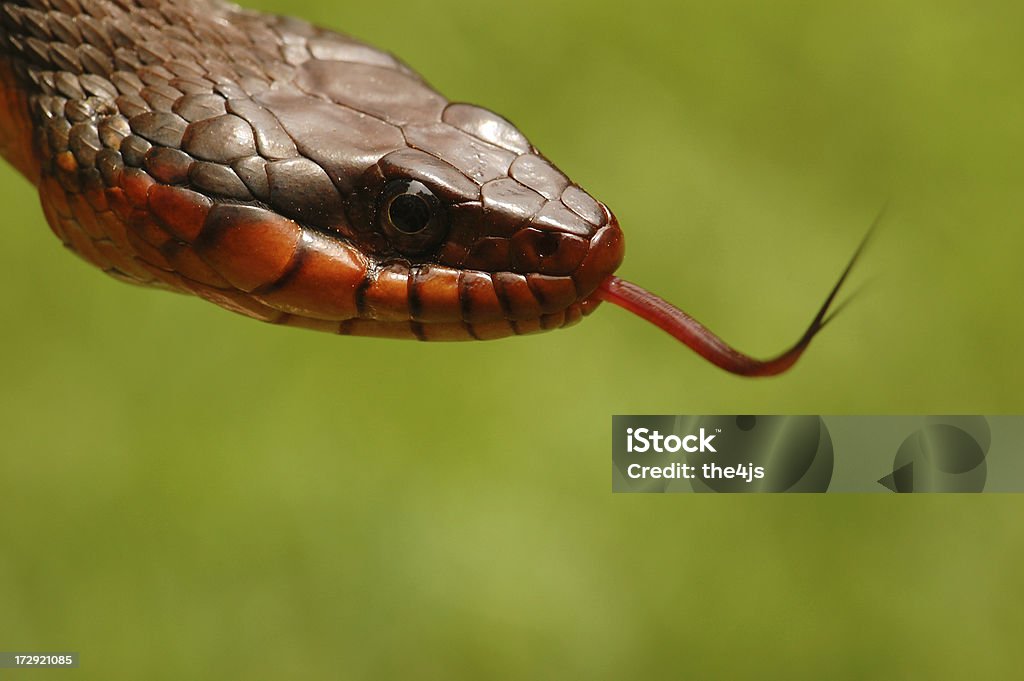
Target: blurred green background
<point x="188" y="494"/>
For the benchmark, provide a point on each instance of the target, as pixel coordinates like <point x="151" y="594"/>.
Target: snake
<point x="301" y="177"/>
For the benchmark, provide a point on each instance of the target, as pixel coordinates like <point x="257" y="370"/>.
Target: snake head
<point x="471" y="195"/>
<point x="303" y="178"/>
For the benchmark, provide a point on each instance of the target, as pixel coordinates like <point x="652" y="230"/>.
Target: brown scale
<point x="300" y="177"/>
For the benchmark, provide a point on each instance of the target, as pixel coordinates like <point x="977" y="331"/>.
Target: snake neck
<point x="99" y="37"/>
<point x="64" y="65"/>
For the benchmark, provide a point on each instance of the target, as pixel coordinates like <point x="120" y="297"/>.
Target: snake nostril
<point x="546" y="244"/>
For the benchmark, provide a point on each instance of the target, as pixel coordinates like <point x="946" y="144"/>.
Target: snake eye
<point x="411" y="216"/>
<point x="409" y="213"/>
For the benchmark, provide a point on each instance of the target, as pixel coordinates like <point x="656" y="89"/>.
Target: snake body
<point x="290" y="173"/>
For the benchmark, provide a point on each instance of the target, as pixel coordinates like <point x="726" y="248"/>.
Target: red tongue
<point x="694" y="334"/>
<point x="706" y="344"/>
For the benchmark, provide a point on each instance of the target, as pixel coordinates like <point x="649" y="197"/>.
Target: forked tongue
<point x="701" y="340"/>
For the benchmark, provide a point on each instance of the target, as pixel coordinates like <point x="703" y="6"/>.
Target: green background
<point x="185" y="493"/>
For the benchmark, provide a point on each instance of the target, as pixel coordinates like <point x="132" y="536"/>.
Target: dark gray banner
<point x="882" y="454"/>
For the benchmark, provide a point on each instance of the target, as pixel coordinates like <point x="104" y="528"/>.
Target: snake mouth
<point x="607" y="248"/>
<point x="433" y="302"/>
